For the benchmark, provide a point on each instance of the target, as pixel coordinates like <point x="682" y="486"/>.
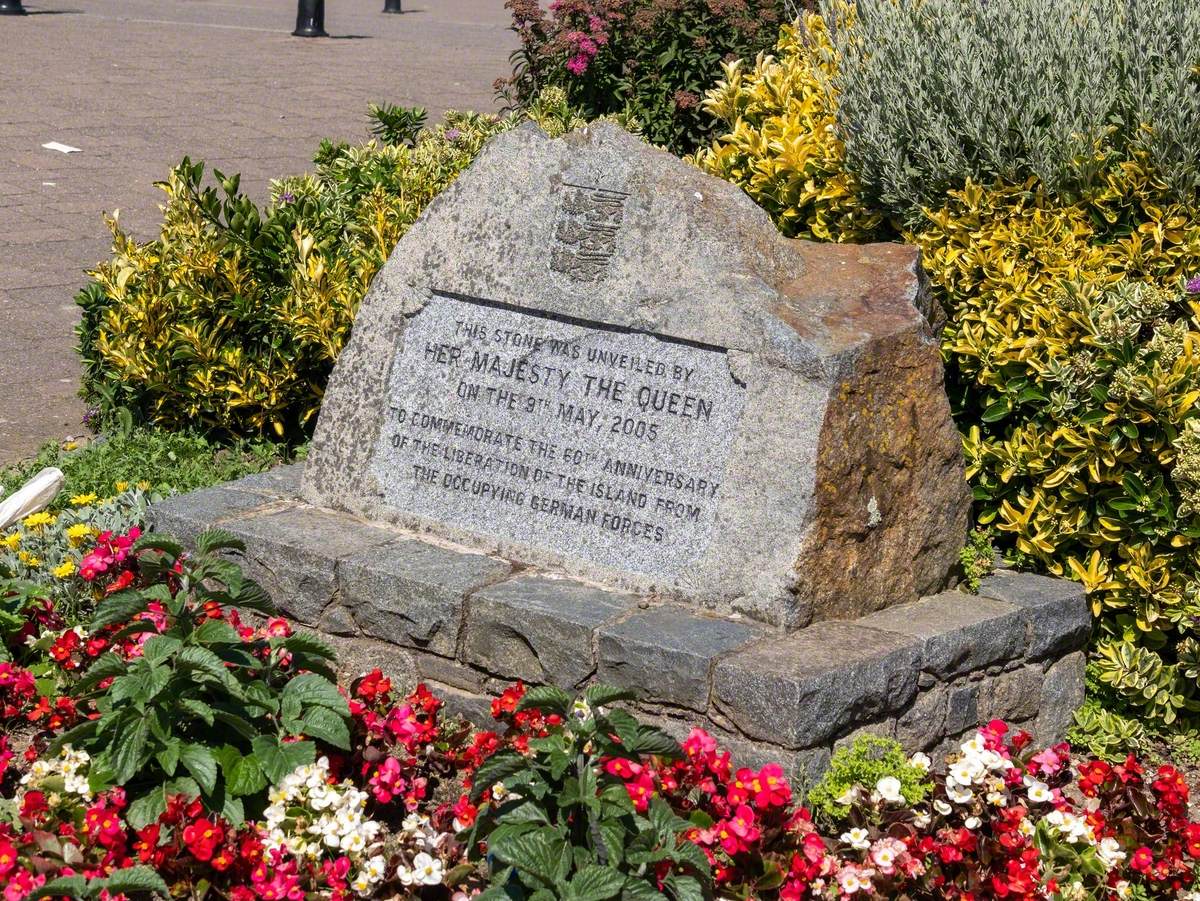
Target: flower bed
<point x="183" y="749"/>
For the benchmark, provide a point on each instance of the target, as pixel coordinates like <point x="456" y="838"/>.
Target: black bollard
<point x="392" y="6"/>
<point x="310" y="19"/>
<point x="11" y="8"/>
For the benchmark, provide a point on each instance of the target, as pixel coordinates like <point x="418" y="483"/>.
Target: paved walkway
<point x="136" y="84"/>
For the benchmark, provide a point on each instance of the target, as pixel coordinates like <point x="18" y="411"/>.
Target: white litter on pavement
<point x="61" y="148"/>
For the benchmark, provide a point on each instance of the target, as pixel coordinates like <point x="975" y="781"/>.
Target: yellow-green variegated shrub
<point x="782" y="146"/>
<point x="1072" y="348"/>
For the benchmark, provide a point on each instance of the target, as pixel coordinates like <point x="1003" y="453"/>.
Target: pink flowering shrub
<point x="651" y="59"/>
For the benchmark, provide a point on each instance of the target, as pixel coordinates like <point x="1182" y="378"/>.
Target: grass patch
<point x="163" y="462"/>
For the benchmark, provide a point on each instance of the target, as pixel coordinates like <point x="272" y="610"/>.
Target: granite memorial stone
<point x="588" y="355"/>
<point x="597" y="417"/>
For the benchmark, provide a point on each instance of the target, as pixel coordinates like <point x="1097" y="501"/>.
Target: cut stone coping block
<point x="927" y="672"/>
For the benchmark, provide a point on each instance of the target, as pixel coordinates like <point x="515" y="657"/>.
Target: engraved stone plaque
<point x="598" y="442"/>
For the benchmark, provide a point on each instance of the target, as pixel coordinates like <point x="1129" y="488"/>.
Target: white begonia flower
<point x="1039" y="792"/>
<point x="857" y="838"/>
<point x="922" y="819"/>
<point x="1026" y="827"/>
<point x="959" y="795"/>
<point x="974" y="745"/>
<point x="849" y="796"/>
<point x="972" y="823"/>
<point x="427" y="870"/>
<point x="942" y="807"/>
<point x="1109" y="851"/>
<point x="921" y="761"/>
<point x="889" y="789"/>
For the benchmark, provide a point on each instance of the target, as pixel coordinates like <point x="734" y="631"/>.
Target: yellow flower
<point x="143" y="485"/>
<point x="63" y="570"/>
<point x="38" y="520"/>
<point x="122" y="486"/>
<point x="79" y="533"/>
<point x="70" y="445"/>
<point x="82" y="500"/>
<point x="12" y="540"/>
<point x="29" y="559"/>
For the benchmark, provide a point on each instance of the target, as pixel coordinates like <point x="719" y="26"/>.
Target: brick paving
<point x="136" y="84"/>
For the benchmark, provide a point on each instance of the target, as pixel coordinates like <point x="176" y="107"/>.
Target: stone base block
<point x="926" y="672"/>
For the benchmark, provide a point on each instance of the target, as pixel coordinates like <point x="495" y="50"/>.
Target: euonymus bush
<point x="1070" y="345"/>
<point x="199" y="708"/>
<point x="231" y="320"/>
<point x="558" y="825"/>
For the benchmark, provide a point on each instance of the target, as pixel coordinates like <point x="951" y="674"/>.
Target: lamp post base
<point x="392" y="6"/>
<point x="12" y="8"/>
<point x="310" y="19"/>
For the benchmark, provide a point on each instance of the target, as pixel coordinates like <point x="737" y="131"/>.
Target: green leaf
<point x="146" y="809"/>
<point x="244" y="777"/>
<point x="546" y="698"/>
<point x="277" y="758"/>
<point x="72" y="736"/>
<point x="322" y="723"/>
<point x="217" y="631"/>
<point x="543" y="854"/>
<point x="211" y="540"/>
<point x="168" y="757"/>
<point x="495" y="769"/>
<point x="106" y="666"/>
<point x="158" y="542"/>
<point x="603" y="695"/>
<point x="124" y="756"/>
<point x="199" y="761"/>
<point x="597" y="883"/>
<point x="640" y="890"/>
<point x="136" y="879"/>
<point x="198" y="709"/>
<point x="997" y="411"/>
<point x="313" y="690"/>
<point x="684" y="888"/>
<point x="307" y="643"/>
<point x="652" y="740"/>
<point x="71" y="886"/>
<point x="202" y="660"/>
<point x="118" y="608"/>
<point x="160" y="647"/>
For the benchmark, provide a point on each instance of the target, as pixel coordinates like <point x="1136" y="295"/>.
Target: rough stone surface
<point x="802" y="690"/>
<point x="411" y="592"/>
<point x="280" y="481"/>
<point x="667" y="653"/>
<point x="293" y="553"/>
<point x="589" y="355"/>
<point x="962" y="708"/>
<point x="958" y="632"/>
<point x="1059" y="617"/>
<point x="539" y="629"/>
<point x="185" y="516"/>
<point x="920" y="726"/>
<point x="1062" y="694"/>
<point x="880" y="729"/>
<point x="358" y="655"/>
<point x="1013" y="696"/>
